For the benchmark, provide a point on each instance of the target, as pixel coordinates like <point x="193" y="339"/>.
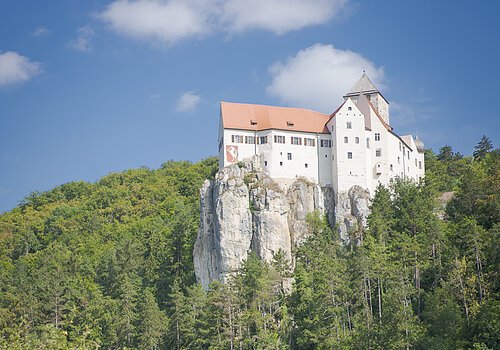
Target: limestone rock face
<point x="244" y="210"/>
<point x="351" y="211"/>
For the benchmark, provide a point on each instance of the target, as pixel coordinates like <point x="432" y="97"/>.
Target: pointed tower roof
<point x="364" y="84"/>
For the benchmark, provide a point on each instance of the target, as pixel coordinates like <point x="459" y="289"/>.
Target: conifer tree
<point x="483" y="147"/>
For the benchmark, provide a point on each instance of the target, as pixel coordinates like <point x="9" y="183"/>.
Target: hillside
<point x="110" y="265"/>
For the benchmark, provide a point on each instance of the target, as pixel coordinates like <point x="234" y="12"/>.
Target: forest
<point x="109" y="265"/>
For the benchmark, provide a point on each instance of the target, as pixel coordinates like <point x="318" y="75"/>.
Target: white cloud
<point x="41" y="32"/>
<point x="168" y="21"/>
<point x="188" y="102"/>
<point x="82" y="41"/>
<point x="15" y="68"/>
<point x="278" y="16"/>
<point x="318" y="77"/>
<point x="158" y="20"/>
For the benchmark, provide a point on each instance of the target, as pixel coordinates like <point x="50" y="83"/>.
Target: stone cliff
<point x="244" y="210"/>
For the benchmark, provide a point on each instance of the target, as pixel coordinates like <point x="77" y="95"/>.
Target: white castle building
<point x="355" y="145"/>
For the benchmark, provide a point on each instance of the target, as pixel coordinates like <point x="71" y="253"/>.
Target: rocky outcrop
<point x="244" y="210"/>
<point x="351" y="211"/>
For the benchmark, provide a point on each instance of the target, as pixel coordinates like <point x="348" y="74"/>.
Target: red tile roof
<point x="245" y="116"/>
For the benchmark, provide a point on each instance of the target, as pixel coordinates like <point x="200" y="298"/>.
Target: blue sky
<point x="91" y="87"/>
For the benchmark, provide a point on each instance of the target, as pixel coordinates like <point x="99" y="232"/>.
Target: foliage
<point x="109" y="265"/>
<point x="93" y="265"/>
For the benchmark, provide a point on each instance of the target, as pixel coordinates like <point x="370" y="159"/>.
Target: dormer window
<point x="289" y="123"/>
<point x="253" y="122"/>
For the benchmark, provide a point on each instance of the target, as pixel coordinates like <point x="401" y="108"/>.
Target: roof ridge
<point x="284" y="107"/>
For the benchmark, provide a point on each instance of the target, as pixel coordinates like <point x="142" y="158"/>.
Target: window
<point x="349" y="108"/>
<point x="237" y="138"/>
<point x="378" y="152"/>
<point x="356" y="139"/>
<point x="265" y="163"/>
<point x="346" y="139"/>
<point x="420" y="165"/>
<point x="250" y="139"/>
<point x="399" y="160"/>
<point x="349" y="155"/>
<point x="326" y="143"/>
<point x="309" y="142"/>
<point x="296" y="140"/>
<point x="408" y="154"/>
<point x="289" y="156"/>
<point x="262" y="139"/>
<point x="377" y="136"/>
<point x="392" y="168"/>
<point x="279" y="139"/>
<point x="400" y="146"/>
<point x="305" y="165"/>
<point x="367" y="142"/>
<point x="281" y="163"/>
<point x="415" y="161"/>
<point x="349" y="125"/>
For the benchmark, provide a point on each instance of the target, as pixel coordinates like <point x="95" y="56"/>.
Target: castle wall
<point x="283" y="154"/>
<point x="349" y="165"/>
<point x="379" y="136"/>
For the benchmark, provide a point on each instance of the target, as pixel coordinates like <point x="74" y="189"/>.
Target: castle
<point x="355" y="145"/>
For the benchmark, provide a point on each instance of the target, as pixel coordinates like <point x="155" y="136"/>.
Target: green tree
<point x="483" y="147"/>
<point x="152" y="323"/>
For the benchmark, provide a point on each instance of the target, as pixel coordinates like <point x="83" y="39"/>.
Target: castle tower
<point x="365" y="86"/>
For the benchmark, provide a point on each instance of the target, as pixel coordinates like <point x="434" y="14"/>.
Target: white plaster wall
<point x="220" y="143"/>
<point x="278" y="164"/>
<point x="325" y="161"/>
<point x="421" y="169"/>
<point x="349" y="172"/>
<point x="395" y="150"/>
<point x="274" y="156"/>
<point x="244" y="150"/>
<point x="413" y="169"/>
<point x="380" y="163"/>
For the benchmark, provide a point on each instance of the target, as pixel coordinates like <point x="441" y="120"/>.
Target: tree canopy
<point x="109" y="265"/>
